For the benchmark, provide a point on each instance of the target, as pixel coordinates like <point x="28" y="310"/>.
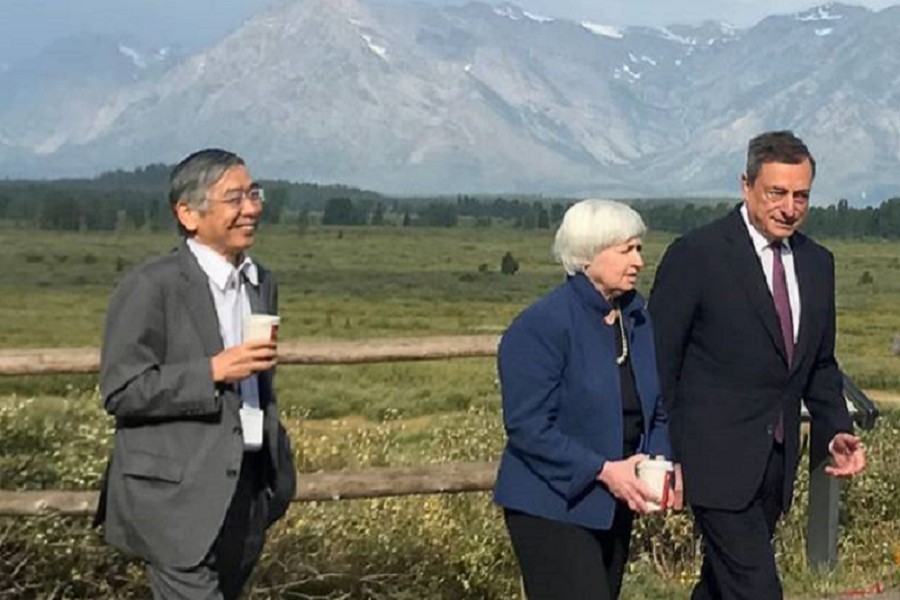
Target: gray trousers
<point x="222" y="573"/>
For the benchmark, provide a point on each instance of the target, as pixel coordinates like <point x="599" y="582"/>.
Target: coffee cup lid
<point x="656" y="464"/>
<point x="264" y="318"/>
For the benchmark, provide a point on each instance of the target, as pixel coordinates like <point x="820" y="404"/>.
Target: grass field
<point x="382" y="282"/>
<point x="387" y="282"/>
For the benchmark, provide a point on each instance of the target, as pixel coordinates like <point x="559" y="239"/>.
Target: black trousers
<point x="738" y="558"/>
<point x="561" y="561"/>
<point x="228" y="565"/>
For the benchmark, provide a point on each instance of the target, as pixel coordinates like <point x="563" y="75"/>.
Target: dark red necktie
<point x="783" y="308"/>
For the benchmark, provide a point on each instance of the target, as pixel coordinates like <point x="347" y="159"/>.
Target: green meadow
<point x="363" y="282"/>
<point x="360" y="282"/>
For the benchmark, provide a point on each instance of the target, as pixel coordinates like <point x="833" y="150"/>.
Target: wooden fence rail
<point x="370" y="483"/>
<point x="378" y="482"/>
<point x="49" y="361"/>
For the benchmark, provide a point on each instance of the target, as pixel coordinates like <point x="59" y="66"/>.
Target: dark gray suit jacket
<point x="178" y="442"/>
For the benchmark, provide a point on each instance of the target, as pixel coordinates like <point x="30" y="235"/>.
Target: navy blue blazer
<point x="562" y="403"/>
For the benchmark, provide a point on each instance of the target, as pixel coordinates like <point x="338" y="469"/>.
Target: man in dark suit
<point x="201" y="465"/>
<point x="745" y="327"/>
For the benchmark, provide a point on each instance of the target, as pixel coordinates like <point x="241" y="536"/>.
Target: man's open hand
<point x="848" y="455"/>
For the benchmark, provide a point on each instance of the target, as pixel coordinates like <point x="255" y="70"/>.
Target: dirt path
<point x="881" y="396"/>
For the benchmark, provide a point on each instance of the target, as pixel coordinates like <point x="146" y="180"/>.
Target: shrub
<point x="450" y="546"/>
<point x="508" y="264"/>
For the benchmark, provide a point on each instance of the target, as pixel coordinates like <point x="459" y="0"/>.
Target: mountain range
<point x="411" y="98"/>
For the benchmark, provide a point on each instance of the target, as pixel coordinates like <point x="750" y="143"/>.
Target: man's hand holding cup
<point x="259" y="352"/>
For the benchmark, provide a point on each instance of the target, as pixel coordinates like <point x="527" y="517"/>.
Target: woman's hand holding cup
<point x="620" y="477"/>
<point x="664" y="479"/>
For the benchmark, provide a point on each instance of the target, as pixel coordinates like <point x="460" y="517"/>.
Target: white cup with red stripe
<point x="657" y="473"/>
<point x="261" y="327"/>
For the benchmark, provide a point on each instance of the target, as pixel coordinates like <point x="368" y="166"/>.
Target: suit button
<point x="231" y="473"/>
<point x="769" y="429"/>
<point x="237" y="430"/>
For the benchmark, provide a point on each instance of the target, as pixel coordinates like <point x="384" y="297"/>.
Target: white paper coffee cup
<point x="261" y="327"/>
<point x="657" y="474"/>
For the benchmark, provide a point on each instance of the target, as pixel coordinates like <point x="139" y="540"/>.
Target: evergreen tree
<point x="303" y="220"/>
<point x="543" y="217"/>
<point x="378" y="215"/>
<point x="340" y="211"/>
<point x="508" y="264"/>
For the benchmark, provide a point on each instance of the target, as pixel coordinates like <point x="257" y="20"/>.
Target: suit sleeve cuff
<point x="586" y="475"/>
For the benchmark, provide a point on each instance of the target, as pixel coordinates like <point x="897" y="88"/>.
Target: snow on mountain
<point x="538" y="18"/>
<point x="820" y="13"/>
<point x="604" y="30"/>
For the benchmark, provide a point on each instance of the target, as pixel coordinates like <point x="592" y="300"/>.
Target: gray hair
<point x="590" y="226"/>
<point x="194" y="175"/>
<point x="775" y="146"/>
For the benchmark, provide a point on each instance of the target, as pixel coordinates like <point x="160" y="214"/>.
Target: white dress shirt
<point x="229" y="293"/>
<point x="767" y="258"/>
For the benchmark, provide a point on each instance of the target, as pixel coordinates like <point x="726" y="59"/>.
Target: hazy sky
<point x="26" y="26"/>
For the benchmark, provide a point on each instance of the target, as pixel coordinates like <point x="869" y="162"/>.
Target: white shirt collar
<point x="218" y="269"/>
<point x="760" y="243"/>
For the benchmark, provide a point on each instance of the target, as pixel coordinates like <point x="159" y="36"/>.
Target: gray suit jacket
<point x="178" y="442"/>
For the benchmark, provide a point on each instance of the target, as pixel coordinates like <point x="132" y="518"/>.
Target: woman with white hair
<point x="582" y="407"/>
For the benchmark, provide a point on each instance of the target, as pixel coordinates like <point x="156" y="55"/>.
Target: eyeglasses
<point x="234" y="198"/>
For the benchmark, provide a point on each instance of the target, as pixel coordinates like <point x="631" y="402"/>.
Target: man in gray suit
<point x="201" y="465"/>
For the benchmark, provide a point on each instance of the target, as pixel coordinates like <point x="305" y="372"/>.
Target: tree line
<point x="671" y="215"/>
<point x="124" y="200"/>
<point x="138" y="200"/>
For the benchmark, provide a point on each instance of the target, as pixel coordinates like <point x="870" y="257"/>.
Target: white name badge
<point x="252" y="424"/>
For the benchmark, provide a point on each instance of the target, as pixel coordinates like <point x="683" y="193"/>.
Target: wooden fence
<point x="394" y="481"/>
<point x="444" y="478"/>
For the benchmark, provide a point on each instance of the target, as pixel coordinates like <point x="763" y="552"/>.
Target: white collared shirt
<point x="767" y="258"/>
<point x="226" y="283"/>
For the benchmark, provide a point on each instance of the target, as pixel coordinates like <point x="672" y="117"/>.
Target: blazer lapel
<point x="750" y="274"/>
<point x="258" y="295"/>
<point x="253" y="295"/>
<point x="198" y="299"/>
